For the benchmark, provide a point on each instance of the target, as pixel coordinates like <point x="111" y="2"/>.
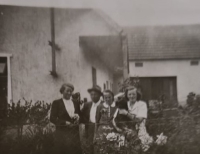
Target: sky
<point x="130" y="12"/>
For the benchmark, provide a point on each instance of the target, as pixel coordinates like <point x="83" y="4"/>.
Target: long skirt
<point x="67" y="141"/>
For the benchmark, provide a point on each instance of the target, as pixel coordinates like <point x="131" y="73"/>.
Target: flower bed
<point x="35" y="135"/>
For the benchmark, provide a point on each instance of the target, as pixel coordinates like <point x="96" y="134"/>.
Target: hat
<point x="95" y="88"/>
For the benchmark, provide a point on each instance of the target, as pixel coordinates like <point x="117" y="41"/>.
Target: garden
<point x="27" y="129"/>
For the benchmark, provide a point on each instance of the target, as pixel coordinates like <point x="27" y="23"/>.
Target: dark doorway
<point x="157" y="88"/>
<point x="3" y="86"/>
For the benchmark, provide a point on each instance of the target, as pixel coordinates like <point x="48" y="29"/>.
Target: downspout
<point x="124" y="47"/>
<point x="52" y="43"/>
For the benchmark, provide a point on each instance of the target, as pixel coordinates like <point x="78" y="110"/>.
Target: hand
<point x="131" y="116"/>
<point x="123" y="111"/>
<point x="119" y="130"/>
<point x="69" y="124"/>
<point x="76" y="116"/>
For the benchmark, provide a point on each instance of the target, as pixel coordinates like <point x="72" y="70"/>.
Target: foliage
<point x="129" y="82"/>
<point x="36" y="136"/>
<point x="31" y="113"/>
<point x="30" y="121"/>
<point x="35" y="141"/>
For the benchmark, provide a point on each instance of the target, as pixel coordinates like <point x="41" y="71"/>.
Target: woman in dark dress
<point x="65" y="115"/>
<point x="105" y="121"/>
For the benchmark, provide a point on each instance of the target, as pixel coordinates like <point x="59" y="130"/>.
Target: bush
<point x="26" y="128"/>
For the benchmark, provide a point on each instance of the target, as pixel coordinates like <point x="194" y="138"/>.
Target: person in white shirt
<point x="65" y="116"/>
<point x="136" y="111"/>
<point x="88" y="115"/>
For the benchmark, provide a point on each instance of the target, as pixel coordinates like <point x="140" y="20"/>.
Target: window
<point x="5" y="77"/>
<point x="94" y="76"/>
<point x="138" y="64"/>
<point x="194" y="62"/>
<point x="104" y="86"/>
<point x="107" y="85"/>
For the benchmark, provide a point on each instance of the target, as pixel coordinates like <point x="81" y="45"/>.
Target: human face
<point x="108" y="98"/>
<point x="132" y="95"/>
<point x="95" y="97"/>
<point x="67" y="93"/>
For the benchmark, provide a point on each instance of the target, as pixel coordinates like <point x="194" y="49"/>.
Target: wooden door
<point x="154" y="87"/>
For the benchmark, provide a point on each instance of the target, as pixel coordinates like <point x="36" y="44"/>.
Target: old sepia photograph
<point x="100" y="77"/>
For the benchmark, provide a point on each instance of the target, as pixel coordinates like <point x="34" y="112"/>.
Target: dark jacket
<point x="85" y="113"/>
<point x="59" y="114"/>
<point x="85" y="119"/>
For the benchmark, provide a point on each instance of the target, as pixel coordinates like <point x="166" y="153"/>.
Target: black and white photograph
<point x="100" y="77"/>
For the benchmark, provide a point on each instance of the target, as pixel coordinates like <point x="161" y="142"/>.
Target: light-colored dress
<point x="139" y="109"/>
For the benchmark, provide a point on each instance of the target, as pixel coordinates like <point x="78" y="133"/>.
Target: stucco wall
<point x="187" y="75"/>
<point x="25" y="32"/>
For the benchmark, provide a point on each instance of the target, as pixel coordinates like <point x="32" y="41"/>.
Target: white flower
<point x="146" y="140"/>
<point x="161" y="139"/>
<point x="111" y="137"/>
<point x="121" y="140"/>
<point x="107" y="128"/>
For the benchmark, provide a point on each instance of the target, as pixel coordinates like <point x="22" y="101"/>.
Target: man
<point x="89" y="115"/>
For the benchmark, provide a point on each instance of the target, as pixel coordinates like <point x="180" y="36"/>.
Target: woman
<point x="135" y="110"/>
<point x="105" y="120"/>
<point x="65" y="115"/>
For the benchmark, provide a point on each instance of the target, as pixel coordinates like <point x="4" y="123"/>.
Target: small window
<point x="107" y="85"/>
<point x="94" y="76"/>
<point x="104" y="86"/>
<point x="138" y="64"/>
<point x="194" y="62"/>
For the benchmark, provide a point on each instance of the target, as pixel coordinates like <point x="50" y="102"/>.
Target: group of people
<point x="67" y="114"/>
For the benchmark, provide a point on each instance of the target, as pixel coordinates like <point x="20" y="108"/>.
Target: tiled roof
<point x="163" y="42"/>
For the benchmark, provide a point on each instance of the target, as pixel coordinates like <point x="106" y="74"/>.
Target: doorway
<point x="157" y="88"/>
<point x="3" y="86"/>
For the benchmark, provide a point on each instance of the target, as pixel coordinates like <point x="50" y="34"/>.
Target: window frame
<point x="139" y="64"/>
<point x="194" y="62"/>
<point x="9" y="82"/>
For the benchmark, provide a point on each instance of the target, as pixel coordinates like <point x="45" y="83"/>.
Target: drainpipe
<point x="52" y="43"/>
<point x="124" y="46"/>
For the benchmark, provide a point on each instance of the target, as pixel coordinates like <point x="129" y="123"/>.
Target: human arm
<point x="114" y="123"/>
<point x="141" y="113"/>
<point x="54" y="115"/>
<point x="138" y="116"/>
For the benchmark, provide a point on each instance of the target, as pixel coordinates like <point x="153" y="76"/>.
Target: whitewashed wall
<point x="25" y="33"/>
<point x="187" y="76"/>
